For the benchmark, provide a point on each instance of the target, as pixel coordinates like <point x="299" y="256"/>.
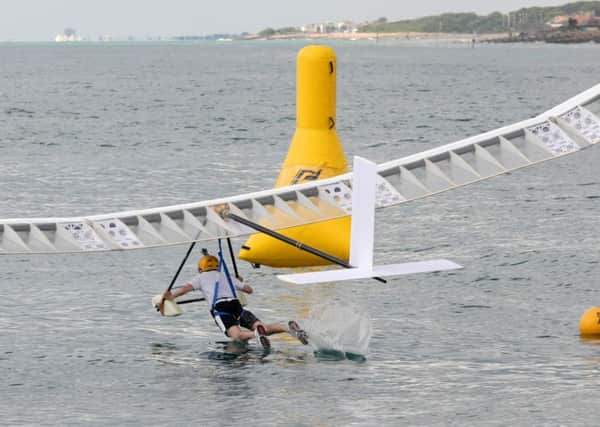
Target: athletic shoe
<point x="261" y="336"/>
<point x="295" y="331"/>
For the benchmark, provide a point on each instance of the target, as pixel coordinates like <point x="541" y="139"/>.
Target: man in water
<point x="219" y="290"/>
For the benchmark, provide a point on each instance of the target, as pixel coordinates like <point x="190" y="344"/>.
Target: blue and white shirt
<point x="205" y="283"/>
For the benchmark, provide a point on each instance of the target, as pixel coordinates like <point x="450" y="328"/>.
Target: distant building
<point x="346" y="27"/>
<point x="330" y="27"/>
<point x="68" y="35"/>
<point x="558" y="21"/>
<point x="583" y="19"/>
<point x="309" y="28"/>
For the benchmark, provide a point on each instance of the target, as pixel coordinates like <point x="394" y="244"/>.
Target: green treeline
<point x="493" y="23"/>
<point x="446" y="23"/>
<point x="269" y="32"/>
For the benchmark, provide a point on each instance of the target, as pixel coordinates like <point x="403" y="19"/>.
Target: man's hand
<point x="178" y="292"/>
<point x="247" y="289"/>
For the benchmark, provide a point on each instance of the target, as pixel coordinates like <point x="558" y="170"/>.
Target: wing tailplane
<point x="361" y="240"/>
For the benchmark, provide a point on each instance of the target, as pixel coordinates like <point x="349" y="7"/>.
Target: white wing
<point x="565" y="129"/>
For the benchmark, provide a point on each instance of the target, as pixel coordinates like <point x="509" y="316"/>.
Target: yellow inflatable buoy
<point x="315" y="153"/>
<point x="589" y="324"/>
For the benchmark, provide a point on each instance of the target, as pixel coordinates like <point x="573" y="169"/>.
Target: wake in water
<point x="339" y="331"/>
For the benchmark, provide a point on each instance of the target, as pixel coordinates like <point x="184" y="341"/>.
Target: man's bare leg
<point x="271" y="328"/>
<point x="236" y="333"/>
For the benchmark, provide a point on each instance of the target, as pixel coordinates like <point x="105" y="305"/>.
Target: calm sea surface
<point x="94" y="128"/>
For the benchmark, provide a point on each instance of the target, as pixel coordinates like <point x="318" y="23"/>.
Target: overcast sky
<point x="43" y="19"/>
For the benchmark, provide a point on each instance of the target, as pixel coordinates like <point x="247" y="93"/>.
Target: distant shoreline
<point x="555" y="37"/>
<point x="380" y="36"/>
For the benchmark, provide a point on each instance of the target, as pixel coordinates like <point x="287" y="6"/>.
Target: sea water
<point x="93" y="128"/>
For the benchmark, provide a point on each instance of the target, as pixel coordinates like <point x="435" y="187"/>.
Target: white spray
<point x="342" y="326"/>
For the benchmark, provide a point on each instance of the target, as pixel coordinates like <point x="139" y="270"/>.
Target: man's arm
<point x="244" y="288"/>
<point x="179" y="291"/>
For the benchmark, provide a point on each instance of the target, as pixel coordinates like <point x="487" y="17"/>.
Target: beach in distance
<point x="466" y="37"/>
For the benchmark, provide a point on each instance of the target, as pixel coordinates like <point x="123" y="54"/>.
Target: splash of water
<point x="339" y="326"/>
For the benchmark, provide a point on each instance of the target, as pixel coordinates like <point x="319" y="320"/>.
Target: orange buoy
<point x="589" y="324"/>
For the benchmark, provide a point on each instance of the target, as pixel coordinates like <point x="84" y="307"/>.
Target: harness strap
<point x="216" y="291"/>
<point x="223" y="265"/>
<point x="216" y="313"/>
<point x="226" y="270"/>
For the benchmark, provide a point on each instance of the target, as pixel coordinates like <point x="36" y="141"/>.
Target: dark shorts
<point x="230" y="313"/>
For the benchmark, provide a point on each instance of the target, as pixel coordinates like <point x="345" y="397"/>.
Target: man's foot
<point x="261" y="336"/>
<point x="295" y="331"/>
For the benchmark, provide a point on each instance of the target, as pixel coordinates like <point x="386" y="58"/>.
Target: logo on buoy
<point x="306" y="175"/>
